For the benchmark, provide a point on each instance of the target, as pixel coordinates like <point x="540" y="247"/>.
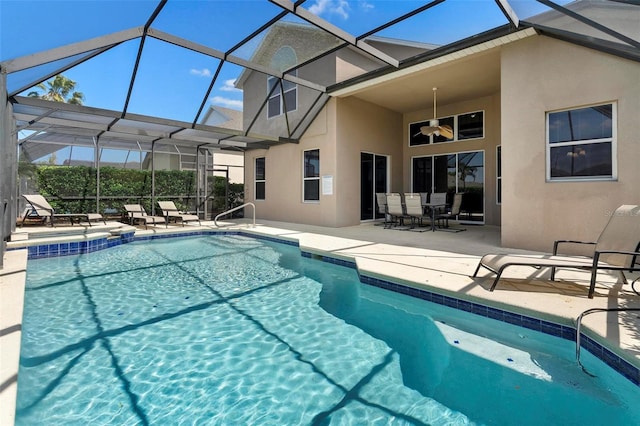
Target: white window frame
<point x="499" y="175"/>
<point x="455" y="129"/>
<point x="277" y="93"/>
<point x="305" y="179"/>
<point x="256" y="180"/>
<point x="613" y="139"/>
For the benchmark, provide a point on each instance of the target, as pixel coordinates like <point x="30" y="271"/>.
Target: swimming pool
<point x="234" y="330"/>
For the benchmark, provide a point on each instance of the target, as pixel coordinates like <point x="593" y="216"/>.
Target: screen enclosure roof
<point x="154" y="73"/>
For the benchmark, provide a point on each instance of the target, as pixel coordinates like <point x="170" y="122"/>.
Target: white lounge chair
<point x="616" y="249"/>
<point x="136" y="213"/>
<point x="39" y="208"/>
<point x="171" y="212"/>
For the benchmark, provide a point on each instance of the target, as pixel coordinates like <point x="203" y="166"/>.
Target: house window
<point x="260" y="178"/>
<point x="581" y="143"/>
<point x="465" y="126"/>
<point x="283" y="98"/>
<point x="499" y="174"/>
<point x="471" y="126"/>
<point x="311" y="181"/>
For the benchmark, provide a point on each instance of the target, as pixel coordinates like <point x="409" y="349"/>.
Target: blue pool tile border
<point x="628" y="370"/>
<point x="75" y="247"/>
<point x="89" y="246"/>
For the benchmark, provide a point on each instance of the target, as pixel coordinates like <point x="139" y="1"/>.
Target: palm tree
<point x="60" y="89"/>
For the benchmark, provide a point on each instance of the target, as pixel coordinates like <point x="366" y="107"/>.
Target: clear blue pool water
<point x="229" y="330"/>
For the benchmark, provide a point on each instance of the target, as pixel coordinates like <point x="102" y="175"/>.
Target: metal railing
<point x="579" y="327"/>
<point x="215" y="220"/>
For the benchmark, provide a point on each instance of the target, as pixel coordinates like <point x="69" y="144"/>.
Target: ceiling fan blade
<point x="428" y="130"/>
<point x="446" y="131"/>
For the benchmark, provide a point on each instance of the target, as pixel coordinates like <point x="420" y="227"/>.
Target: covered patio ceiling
<point x="219" y="41"/>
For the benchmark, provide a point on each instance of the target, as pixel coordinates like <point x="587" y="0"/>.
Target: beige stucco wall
<point x="363" y="127"/>
<point x="284" y="166"/>
<point x="491" y="107"/>
<point x="539" y="75"/>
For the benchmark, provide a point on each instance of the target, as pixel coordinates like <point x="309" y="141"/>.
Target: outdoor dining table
<point x="433" y="207"/>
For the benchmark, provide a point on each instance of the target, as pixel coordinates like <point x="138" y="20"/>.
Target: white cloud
<point x="204" y="72"/>
<point x="226" y="102"/>
<point x="337" y="7"/>
<point x="229" y="86"/>
<point x="365" y="5"/>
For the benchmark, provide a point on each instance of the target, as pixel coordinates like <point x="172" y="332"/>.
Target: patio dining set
<point x="419" y="212"/>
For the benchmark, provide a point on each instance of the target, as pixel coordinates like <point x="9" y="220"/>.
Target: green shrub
<point x="72" y="189"/>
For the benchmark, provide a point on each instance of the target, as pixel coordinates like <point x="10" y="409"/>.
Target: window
<point x="277" y="103"/>
<point x="581" y="143"/>
<point x="260" y="178"/>
<point x="465" y="126"/>
<point x="311" y="181"/>
<point x="283" y="98"/>
<point x="499" y="174"/>
<point x="471" y="126"/>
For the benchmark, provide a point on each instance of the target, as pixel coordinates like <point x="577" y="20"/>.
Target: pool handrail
<point x="215" y="220"/>
<point x="579" y="327"/>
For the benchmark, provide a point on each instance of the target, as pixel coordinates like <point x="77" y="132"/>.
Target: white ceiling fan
<point x="434" y="127"/>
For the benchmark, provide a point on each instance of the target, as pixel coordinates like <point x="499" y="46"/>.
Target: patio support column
<point x="96" y="144"/>
<point x="153" y="178"/>
<point x="4" y="175"/>
<point x="8" y="167"/>
<point x="198" y="181"/>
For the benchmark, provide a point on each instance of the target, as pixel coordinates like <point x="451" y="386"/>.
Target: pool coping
<point x="100" y="241"/>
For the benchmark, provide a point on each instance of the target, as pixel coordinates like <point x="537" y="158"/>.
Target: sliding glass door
<point x="451" y="173"/>
<point x="373" y="178"/>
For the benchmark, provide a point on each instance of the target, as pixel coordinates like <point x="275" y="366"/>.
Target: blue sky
<point x="172" y="82"/>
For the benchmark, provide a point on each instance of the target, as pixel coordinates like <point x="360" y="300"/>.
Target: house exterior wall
<point x="542" y="74"/>
<point x="362" y="127"/>
<point x="538" y="74"/>
<point x="491" y="107"/>
<point x="283" y="176"/>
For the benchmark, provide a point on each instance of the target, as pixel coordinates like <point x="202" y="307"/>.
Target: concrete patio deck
<point x="440" y="262"/>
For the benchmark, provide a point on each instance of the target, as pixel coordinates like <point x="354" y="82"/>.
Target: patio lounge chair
<point x="136" y="213"/>
<point x="171" y="212"/>
<point x="39" y="208"/>
<point x="616" y="249"/>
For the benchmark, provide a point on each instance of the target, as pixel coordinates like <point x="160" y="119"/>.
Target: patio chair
<point x="414" y="210"/>
<point x="616" y="249"/>
<point x="136" y="213"/>
<point x="39" y="208"/>
<point x="451" y="214"/>
<point x="171" y="212"/>
<point x="396" y="210"/>
<point x="381" y="202"/>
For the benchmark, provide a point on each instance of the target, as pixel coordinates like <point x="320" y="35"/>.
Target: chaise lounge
<point x="136" y="213"/>
<point x="616" y="249"/>
<point x="171" y="212"/>
<point x="41" y="209"/>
